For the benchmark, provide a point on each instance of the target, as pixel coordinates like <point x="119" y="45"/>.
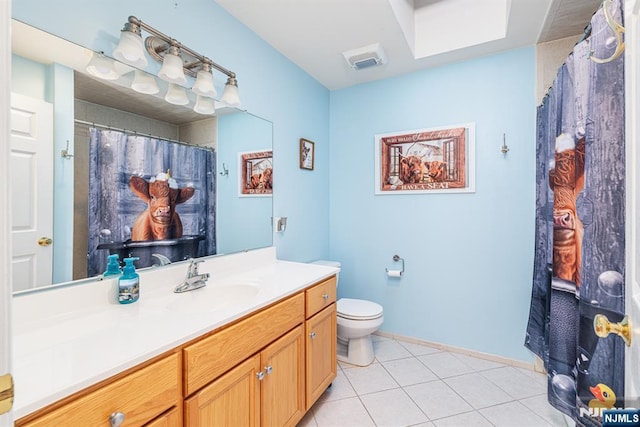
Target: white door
<point x="632" y="61"/>
<point x="31" y="191"/>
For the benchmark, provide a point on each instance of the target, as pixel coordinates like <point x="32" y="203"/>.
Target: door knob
<point x="45" y="241"/>
<point x="603" y="327"/>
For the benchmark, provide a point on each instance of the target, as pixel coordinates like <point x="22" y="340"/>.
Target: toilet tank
<point x="330" y="264"/>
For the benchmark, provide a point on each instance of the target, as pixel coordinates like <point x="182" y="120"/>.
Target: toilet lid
<point x="358" y="309"/>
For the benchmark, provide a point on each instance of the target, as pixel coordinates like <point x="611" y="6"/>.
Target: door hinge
<point x="6" y="393"/>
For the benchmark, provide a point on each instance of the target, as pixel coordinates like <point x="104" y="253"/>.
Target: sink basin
<point x="213" y="297"/>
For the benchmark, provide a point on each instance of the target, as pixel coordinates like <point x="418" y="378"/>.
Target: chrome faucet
<point x="193" y="280"/>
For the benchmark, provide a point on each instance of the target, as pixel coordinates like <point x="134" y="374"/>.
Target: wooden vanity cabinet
<point x="267" y="388"/>
<point x="266" y="369"/>
<point x="143" y="396"/>
<point x="321" y="337"/>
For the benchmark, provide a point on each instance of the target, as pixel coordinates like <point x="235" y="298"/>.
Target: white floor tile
<point x="389" y="350"/>
<point x="370" y="379"/>
<point x="308" y="420"/>
<point x="340" y="388"/>
<point x="419" y="349"/>
<point x="343" y="412"/>
<point x="437" y="400"/>
<point x="469" y="419"/>
<point x="392" y="408"/>
<point x="409" y="371"/>
<point x="514" y="382"/>
<point x="512" y="414"/>
<point x="478" y="391"/>
<point x="476" y="363"/>
<point x="444" y="364"/>
<point x="540" y="406"/>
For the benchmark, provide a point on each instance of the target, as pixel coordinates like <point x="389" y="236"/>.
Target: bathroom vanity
<point x="256" y="346"/>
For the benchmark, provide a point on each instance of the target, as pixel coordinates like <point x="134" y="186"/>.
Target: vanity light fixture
<point x="172" y="71"/>
<point x="144" y="83"/>
<point x="102" y="67"/>
<point x="204" y="82"/>
<point x="130" y="49"/>
<point x="176" y="95"/>
<point x="230" y="94"/>
<point x="177" y="60"/>
<point x="204" y="105"/>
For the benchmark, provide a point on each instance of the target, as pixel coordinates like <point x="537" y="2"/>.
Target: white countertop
<point x="67" y="339"/>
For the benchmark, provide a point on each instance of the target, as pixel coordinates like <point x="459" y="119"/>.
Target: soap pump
<point x="113" y="266"/>
<point x="129" y="283"/>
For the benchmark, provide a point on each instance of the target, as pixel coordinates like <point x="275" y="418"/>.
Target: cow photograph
<point x="425" y="161"/>
<point x="255" y="173"/>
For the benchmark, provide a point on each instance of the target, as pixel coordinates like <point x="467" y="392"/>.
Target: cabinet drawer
<point x="141" y="396"/>
<point x="209" y="358"/>
<point x="321" y="296"/>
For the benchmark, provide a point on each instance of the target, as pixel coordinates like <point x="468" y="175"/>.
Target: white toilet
<point x="357" y="320"/>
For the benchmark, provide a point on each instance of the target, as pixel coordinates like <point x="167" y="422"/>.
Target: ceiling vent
<point x="365" y="57"/>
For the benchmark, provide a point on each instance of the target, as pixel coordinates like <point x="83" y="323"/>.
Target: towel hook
<point x="65" y="153"/>
<point x="225" y="171"/>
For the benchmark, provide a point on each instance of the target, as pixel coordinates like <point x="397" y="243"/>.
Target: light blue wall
<point x="243" y="222"/>
<point x="468" y="256"/>
<point x="270" y="86"/>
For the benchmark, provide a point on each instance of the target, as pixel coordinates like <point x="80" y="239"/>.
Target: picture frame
<point x="255" y="173"/>
<point x="307" y="154"/>
<point x="426" y="161"/>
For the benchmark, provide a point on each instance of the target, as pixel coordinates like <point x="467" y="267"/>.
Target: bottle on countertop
<point x="129" y="283"/>
<point x="113" y="266"/>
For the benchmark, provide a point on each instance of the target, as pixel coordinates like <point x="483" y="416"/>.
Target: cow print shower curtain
<point x="113" y="207"/>
<point x="579" y="260"/>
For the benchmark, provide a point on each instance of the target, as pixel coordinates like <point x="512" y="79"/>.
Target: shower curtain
<point x="579" y="259"/>
<point x="115" y="157"/>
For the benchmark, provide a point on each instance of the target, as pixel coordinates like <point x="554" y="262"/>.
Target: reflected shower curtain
<point x="115" y="157"/>
<point x="580" y="206"/>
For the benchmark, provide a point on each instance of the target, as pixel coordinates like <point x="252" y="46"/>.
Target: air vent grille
<point x="365" y="57"/>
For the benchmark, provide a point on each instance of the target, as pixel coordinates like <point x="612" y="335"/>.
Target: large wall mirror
<point x="75" y="138"/>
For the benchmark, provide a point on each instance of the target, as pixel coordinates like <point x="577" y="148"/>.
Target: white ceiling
<point x="314" y="33"/>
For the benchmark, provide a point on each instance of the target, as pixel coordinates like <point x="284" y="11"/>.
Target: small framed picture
<point x="306" y="154"/>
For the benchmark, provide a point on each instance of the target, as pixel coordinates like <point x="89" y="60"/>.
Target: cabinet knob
<point x="116" y="419"/>
<point x="325" y="296"/>
<point x="312" y="335"/>
<point x="268" y="369"/>
<point x="260" y="375"/>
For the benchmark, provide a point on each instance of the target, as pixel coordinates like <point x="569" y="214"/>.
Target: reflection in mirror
<point x="59" y="212"/>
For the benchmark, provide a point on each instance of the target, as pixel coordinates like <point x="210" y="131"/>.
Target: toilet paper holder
<point x="396" y="258"/>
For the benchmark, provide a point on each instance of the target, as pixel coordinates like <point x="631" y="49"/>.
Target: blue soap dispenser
<point x="129" y="283"/>
<point x="113" y="266"/>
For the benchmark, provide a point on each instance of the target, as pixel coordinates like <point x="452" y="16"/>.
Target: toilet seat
<point x="357" y="309"/>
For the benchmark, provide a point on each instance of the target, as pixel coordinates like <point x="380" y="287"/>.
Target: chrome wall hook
<point x="225" y="171"/>
<point x="65" y="153"/>
<point x="504" y="149"/>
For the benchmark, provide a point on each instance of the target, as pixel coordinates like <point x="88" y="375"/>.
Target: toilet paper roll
<point x="394" y="273"/>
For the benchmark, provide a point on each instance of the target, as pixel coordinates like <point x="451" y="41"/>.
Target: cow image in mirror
<point x="160" y="220"/>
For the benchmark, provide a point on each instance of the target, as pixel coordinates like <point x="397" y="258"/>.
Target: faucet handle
<point x="193" y="266"/>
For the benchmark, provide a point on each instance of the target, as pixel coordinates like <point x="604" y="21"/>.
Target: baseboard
<point x="480" y="355"/>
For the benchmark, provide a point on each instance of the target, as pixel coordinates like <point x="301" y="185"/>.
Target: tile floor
<point x="416" y="385"/>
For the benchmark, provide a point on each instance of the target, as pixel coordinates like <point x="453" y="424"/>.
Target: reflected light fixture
<point x="176" y="95"/>
<point x="102" y="67"/>
<point x="178" y="61"/>
<point x="230" y="94"/>
<point x="130" y="49"/>
<point x="204" y="82"/>
<point x="144" y="83"/>
<point x="204" y="105"/>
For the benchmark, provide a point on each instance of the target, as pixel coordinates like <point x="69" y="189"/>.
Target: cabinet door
<point x="231" y="400"/>
<point x="172" y="418"/>
<point x="283" y="384"/>
<point x="321" y="368"/>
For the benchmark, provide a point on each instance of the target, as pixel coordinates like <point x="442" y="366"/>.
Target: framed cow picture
<point x="424" y="161"/>
<point x="306" y="154"/>
<point x="255" y="169"/>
